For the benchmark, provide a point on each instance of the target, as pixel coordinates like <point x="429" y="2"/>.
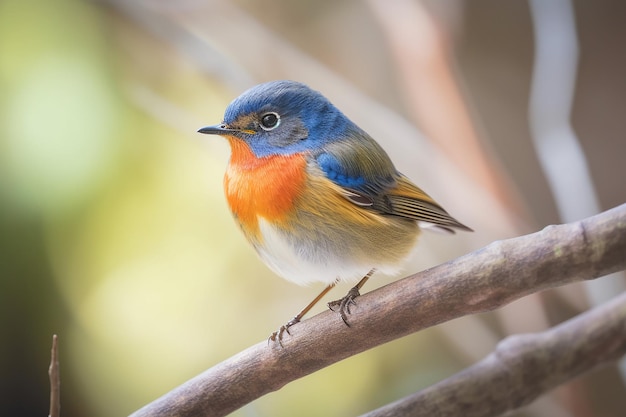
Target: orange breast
<point x="262" y="187"/>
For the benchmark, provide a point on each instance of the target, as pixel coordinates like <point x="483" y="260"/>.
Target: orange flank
<point x="261" y="187"/>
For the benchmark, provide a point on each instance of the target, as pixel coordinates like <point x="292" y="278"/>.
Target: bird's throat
<point x="264" y="187"/>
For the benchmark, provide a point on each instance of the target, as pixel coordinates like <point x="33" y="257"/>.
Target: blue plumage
<point x="308" y="120"/>
<point x="335" y="171"/>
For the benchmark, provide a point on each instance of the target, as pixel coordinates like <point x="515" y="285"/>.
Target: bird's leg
<point x="285" y="328"/>
<point x="343" y="305"/>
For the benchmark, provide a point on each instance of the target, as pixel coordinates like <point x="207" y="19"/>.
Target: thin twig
<point x="55" y="380"/>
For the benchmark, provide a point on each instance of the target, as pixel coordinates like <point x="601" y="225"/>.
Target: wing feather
<point x="408" y="200"/>
<point x="368" y="179"/>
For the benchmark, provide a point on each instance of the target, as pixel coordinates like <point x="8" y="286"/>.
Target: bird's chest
<point x="263" y="188"/>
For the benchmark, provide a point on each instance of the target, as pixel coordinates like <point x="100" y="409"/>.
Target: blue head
<point x="283" y="117"/>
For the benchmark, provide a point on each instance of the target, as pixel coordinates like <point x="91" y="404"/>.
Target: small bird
<point x="315" y="195"/>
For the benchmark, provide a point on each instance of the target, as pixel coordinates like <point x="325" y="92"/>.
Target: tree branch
<point x="480" y="281"/>
<point x="522" y="368"/>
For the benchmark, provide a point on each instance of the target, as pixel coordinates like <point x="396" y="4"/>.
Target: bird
<point x="315" y="195"/>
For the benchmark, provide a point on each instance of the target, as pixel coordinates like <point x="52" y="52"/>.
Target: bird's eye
<point x="270" y="121"/>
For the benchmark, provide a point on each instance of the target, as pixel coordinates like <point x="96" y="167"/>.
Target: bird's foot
<point x="277" y="336"/>
<point x="343" y="305"/>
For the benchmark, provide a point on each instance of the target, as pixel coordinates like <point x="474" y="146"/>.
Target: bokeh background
<point x="114" y="232"/>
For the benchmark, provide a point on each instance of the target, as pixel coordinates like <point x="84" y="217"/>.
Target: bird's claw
<point x="277" y="336"/>
<point x="343" y="305"/>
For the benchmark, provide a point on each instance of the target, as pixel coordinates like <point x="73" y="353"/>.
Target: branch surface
<point x="480" y="281"/>
<point x="522" y="368"/>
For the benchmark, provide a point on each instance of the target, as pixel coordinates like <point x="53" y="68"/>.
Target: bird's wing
<point x="410" y="201"/>
<point x="368" y="179"/>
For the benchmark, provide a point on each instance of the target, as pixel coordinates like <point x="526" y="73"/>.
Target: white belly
<point x="304" y="263"/>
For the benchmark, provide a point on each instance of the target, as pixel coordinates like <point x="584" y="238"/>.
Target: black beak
<point x="216" y="130"/>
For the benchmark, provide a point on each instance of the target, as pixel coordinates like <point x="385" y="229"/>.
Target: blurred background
<point x="114" y="232"/>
